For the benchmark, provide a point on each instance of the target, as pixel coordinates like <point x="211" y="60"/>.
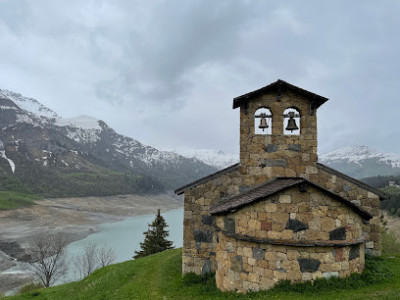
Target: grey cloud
<point x="165" y="72"/>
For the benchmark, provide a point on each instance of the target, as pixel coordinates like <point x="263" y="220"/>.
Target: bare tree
<point x="106" y="256"/>
<point x="93" y="258"/>
<point x="87" y="262"/>
<point x="48" y="256"/>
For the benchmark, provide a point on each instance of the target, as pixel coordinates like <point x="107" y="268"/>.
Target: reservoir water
<point x="125" y="237"/>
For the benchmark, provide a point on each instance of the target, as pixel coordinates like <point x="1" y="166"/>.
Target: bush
<point x="390" y="244"/>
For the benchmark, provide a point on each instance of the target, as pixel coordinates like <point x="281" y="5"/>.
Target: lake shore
<point x="76" y="217"/>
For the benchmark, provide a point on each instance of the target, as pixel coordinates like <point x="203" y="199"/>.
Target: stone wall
<point x="247" y="266"/>
<point x="359" y="196"/>
<point x="292" y="235"/>
<point x="293" y="215"/>
<point x="199" y="237"/>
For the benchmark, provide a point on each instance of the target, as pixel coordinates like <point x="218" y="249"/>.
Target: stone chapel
<point x="278" y="214"/>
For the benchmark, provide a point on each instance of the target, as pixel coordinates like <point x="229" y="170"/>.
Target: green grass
<point x="13" y="200"/>
<point x="159" y="277"/>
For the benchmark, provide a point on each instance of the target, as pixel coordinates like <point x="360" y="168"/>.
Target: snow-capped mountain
<point x="216" y="158"/>
<point x="361" y="161"/>
<point x="43" y="151"/>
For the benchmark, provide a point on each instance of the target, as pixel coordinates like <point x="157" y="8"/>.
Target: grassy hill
<point x="159" y="277"/>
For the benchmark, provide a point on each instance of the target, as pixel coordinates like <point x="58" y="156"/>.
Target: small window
<point x="291" y="121"/>
<point x="263" y="121"/>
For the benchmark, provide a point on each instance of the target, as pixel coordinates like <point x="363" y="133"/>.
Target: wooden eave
<point x="278" y="87"/>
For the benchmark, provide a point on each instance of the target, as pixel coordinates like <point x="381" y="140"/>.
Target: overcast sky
<point x="165" y="72"/>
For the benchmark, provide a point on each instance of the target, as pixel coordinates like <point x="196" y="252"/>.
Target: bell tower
<point x="278" y="132"/>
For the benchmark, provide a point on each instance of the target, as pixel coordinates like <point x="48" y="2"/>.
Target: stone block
<point x="311" y="170"/>
<point x="253" y="277"/>
<point x="287" y="235"/>
<point x="328" y="275"/>
<point x="274" y="235"/>
<point x="229" y="247"/>
<point x="258" y="253"/>
<point x="293" y="254"/>
<point x="202" y="236"/>
<point x="229" y="225"/>
<point x="295" y="225"/>
<point x="308" y="264"/>
<point x="327" y="224"/>
<point x="266" y="226"/>
<point x="271" y="148"/>
<point x="251" y="261"/>
<point x="337" y="234"/>
<point x="273" y="163"/>
<point x="206" y="267"/>
<point x="295" y="147"/>
<point x="208" y="220"/>
<point x="280" y="217"/>
<point x="247" y="251"/>
<point x="270" y="256"/>
<point x="354" y="252"/>
<point x="338" y="254"/>
<point x="285" y="199"/>
<point x="270" y="207"/>
<point x="315" y="224"/>
<point x="307" y="276"/>
<point x="280" y="275"/>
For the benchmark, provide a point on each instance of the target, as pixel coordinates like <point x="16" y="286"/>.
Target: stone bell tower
<point x="278" y="132"/>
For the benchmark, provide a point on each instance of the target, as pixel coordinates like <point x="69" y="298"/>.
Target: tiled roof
<point x="182" y="189"/>
<point x="277" y="86"/>
<point x="272" y="187"/>
<point x="354" y="181"/>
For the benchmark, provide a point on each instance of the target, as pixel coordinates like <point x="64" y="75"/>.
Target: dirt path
<point x="75" y="217"/>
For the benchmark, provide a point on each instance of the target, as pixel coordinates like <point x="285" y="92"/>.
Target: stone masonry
<point x="336" y="216"/>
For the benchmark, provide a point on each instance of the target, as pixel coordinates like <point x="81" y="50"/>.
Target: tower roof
<point x="278" y="87"/>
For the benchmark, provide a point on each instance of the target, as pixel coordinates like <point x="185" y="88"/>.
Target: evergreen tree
<point x="155" y="238"/>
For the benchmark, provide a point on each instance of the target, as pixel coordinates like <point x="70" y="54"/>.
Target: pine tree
<point x="155" y="238"/>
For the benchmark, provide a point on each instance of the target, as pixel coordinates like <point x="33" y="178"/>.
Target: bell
<point x="263" y="123"/>
<point x="291" y="123"/>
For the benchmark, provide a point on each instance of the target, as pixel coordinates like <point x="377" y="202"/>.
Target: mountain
<point x="44" y="153"/>
<point x="356" y="161"/>
<point x="361" y="161"/>
<point x="216" y="158"/>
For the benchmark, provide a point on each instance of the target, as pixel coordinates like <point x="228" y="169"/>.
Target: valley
<point x="76" y="217"/>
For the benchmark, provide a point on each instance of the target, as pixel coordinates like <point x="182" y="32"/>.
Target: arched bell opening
<point x="291" y="121"/>
<point x="263" y="121"/>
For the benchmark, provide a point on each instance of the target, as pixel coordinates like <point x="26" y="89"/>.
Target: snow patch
<point x="216" y="158"/>
<point x="358" y="154"/>
<point x="29" y="104"/>
<point x="83" y="122"/>
<point x="3" y="155"/>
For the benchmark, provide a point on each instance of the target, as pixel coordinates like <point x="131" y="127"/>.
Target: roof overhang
<point x="278" y="87"/>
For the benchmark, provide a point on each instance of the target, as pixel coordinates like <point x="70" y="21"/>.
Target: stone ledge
<point x="337" y="243"/>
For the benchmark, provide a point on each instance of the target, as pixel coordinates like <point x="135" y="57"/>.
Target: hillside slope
<point x="159" y="277"/>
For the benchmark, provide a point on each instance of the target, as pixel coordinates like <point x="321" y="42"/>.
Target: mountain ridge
<point x="353" y="160"/>
<point x="36" y="143"/>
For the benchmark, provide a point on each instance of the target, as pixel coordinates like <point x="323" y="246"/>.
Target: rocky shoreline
<point x="75" y="217"/>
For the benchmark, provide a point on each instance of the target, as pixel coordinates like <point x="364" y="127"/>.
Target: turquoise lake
<point x="125" y="237"/>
